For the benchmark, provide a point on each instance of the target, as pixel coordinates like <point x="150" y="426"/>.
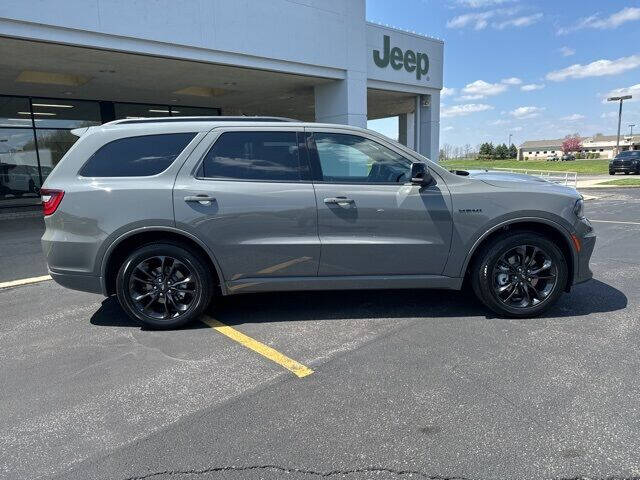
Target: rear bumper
<point x="78" y="281"/>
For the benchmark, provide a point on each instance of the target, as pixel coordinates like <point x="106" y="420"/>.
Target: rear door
<point x="247" y="193"/>
<point x="371" y="219"/>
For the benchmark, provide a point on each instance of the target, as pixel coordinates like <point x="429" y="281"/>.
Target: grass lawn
<point x="623" y="181"/>
<point x="594" y="167"/>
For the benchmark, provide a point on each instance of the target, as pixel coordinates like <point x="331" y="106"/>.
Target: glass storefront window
<point x="14" y="112"/>
<point x="52" y="145"/>
<point x="61" y="113"/>
<point x="178" y="111"/>
<point x="137" y="110"/>
<point x="23" y="169"/>
<point x="19" y="177"/>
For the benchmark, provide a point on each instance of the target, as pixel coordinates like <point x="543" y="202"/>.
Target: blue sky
<point x="536" y="69"/>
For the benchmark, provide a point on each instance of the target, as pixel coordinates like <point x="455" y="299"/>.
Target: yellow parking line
<point x="24" y="281"/>
<point x="264" y="350"/>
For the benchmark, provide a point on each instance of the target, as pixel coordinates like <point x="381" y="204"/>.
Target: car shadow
<point x="585" y="299"/>
<point x="110" y="314"/>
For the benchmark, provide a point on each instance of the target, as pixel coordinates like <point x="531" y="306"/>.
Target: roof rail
<point x="218" y="118"/>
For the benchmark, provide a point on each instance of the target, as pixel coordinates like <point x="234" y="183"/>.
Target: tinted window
<point x="254" y="156"/>
<point x="350" y="158"/>
<point x="136" y="156"/>
<point x="630" y="154"/>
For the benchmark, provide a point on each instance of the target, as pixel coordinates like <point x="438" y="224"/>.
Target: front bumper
<point x="582" y="272"/>
<point x="623" y="169"/>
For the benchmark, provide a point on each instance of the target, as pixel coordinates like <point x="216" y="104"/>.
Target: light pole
<point x="619" y="99"/>
<point x="631" y="125"/>
<point x="510" y="135"/>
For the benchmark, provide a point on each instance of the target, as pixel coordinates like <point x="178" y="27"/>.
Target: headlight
<point x="578" y="208"/>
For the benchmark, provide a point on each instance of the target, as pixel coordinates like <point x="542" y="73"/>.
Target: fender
<point x="158" y="228"/>
<point x="551" y="223"/>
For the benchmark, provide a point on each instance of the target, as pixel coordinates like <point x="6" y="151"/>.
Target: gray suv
<point x="168" y="214"/>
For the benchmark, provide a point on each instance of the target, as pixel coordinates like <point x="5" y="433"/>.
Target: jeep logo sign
<point x="410" y="60"/>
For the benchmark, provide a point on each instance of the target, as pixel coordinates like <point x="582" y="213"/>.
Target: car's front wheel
<point x="163" y="285"/>
<point x="519" y="275"/>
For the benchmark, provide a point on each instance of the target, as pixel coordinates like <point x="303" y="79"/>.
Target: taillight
<point x="50" y="199"/>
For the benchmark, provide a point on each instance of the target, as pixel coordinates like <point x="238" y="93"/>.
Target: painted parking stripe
<point x="275" y="356"/>
<point x="24" y="281"/>
<point x="614" y="221"/>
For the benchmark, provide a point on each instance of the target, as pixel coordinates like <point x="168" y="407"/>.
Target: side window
<point x="136" y="156"/>
<point x="354" y="159"/>
<point x="254" y="156"/>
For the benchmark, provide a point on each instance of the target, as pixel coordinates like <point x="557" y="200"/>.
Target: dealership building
<point x="75" y="63"/>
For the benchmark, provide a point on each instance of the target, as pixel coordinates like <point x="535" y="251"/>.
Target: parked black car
<point x="627" y="162"/>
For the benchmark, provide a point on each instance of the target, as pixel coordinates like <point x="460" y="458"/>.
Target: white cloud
<point x="526" y="112"/>
<point x="524" y="21"/>
<point x="465" y="109"/>
<point x="482" y="3"/>
<point x="566" y="51"/>
<point x="504" y="17"/>
<point x="516" y="129"/>
<point x="614" y="20"/>
<point x="446" y="129"/>
<point x="531" y="87"/>
<point x="500" y="121"/>
<point x="511" y="81"/>
<point x="463" y="98"/>
<point x="573" y="117"/>
<point x="447" y="92"/>
<point x="618" y="92"/>
<point x="480" y="89"/>
<point x="596" y="69"/>
<point x="478" y="20"/>
<point x="609" y="115"/>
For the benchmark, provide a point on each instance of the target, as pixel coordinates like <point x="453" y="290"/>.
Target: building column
<point x="406" y="129"/>
<point x="429" y="126"/>
<point x="343" y="101"/>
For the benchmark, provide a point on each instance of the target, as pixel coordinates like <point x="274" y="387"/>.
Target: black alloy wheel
<point x="524" y="276"/>
<point x="519" y="274"/>
<point x="163" y="285"/>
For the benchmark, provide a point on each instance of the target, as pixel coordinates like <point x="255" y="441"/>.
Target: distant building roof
<point x="542" y="144"/>
<point x="557" y="143"/>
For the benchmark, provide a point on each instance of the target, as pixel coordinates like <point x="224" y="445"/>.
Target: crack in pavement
<point x="330" y="473"/>
<point x="276" y="468"/>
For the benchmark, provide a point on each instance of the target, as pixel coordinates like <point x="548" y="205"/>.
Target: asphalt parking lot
<point x="415" y="384"/>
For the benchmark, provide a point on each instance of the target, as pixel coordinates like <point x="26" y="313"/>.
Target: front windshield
<point x="629" y="154"/>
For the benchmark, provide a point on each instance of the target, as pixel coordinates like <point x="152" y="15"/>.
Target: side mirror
<point x="420" y="174"/>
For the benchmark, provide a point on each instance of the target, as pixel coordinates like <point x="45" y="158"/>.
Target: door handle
<point x="201" y="199"/>
<point x="338" y="201"/>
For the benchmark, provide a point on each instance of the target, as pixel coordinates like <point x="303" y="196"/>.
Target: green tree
<point x="513" y="151"/>
<point x="502" y="151"/>
<point x="486" y="150"/>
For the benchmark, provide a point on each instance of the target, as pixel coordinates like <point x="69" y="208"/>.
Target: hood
<point x="516" y="180"/>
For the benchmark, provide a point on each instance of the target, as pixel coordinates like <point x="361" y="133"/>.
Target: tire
<point x="491" y="272"/>
<point x="612" y="173"/>
<point x="182" y="294"/>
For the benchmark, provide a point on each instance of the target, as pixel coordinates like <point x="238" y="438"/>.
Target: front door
<point x="251" y="200"/>
<point x="371" y="219"/>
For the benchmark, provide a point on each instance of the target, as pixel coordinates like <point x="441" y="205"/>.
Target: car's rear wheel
<point x="520" y="275"/>
<point x="163" y="285"/>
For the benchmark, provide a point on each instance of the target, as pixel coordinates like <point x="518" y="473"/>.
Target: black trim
<point x="314" y="159"/>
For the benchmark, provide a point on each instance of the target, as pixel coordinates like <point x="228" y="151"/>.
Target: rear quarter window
<point x="140" y="156"/>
